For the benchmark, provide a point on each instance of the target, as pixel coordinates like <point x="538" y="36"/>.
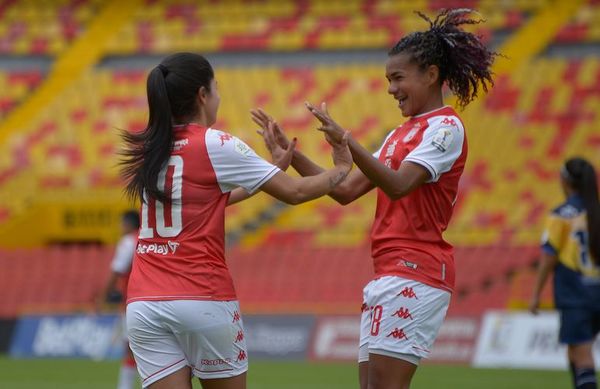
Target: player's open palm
<point x="282" y="157"/>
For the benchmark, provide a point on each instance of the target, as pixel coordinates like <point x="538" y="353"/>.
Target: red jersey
<point x="407" y="233"/>
<point x="180" y="253"/>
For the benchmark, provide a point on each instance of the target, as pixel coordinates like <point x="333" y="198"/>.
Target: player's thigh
<point x="237" y="382"/>
<point x="389" y="373"/>
<point x="363" y="374"/>
<point x="155" y="348"/>
<point x="212" y="337"/>
<point x="180" y="379"/>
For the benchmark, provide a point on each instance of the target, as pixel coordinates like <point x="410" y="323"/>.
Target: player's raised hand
<point x="262" y="118"/>
<point x="281" y="157"/>
<point x="341" y="152"/>
<point x="328" y="125"/>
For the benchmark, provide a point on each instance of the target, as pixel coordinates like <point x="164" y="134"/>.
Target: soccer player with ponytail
<point x="571" y="249"/>
<point x="416" y="172"/>
<point x="183" y="317"/>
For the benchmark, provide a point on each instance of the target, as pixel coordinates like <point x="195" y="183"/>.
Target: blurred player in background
<point x="416" y="172"/>
<point x="183" y="316"/>
<point x="116" y="287"/>
<point x="571" y="249"/>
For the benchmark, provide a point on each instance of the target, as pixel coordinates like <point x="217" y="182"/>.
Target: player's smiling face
<point x="408" y="84"/>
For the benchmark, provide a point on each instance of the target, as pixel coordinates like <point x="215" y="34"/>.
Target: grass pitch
<point x="80" y="374"/>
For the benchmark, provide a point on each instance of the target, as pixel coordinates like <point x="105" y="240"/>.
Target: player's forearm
<point x="312" y="187"/>
<point x="342" y="193"/>
<point x="380" y="175"/>
<point x="304" y="166"/>
<point x="545" y="267"/>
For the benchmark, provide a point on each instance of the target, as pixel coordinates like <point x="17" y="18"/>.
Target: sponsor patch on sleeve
<point x="241" y="147"/>
<point x="443" y="139"/>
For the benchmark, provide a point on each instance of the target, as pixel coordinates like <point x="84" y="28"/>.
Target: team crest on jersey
<point x="442" y="139"/>
<point x="241" y="147"/>
<point x="411" y="134"/>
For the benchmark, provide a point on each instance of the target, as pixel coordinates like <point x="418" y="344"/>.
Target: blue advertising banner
<point x="68" y="336"/>
<point x="278" y="337"/>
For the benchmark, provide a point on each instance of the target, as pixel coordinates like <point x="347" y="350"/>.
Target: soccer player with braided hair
<point x="416" y="172"/>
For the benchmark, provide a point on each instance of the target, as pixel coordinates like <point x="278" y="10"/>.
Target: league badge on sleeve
<point x="241" y="147"/>
<point x="442" y="139"/>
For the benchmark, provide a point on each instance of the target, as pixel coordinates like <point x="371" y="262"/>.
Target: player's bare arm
<point x="355" y="185"/>
<point x="395" y="183"/>
<point x="280" y="156"/>
<point x="546" y="266"/>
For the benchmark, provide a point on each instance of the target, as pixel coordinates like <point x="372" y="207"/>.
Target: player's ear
<point x="202" y="95"/>
<point x="433" y="74"/>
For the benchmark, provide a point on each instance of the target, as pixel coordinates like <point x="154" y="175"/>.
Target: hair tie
<point x="163" y="69"/>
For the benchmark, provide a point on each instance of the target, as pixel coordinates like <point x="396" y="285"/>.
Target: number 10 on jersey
<point x="172" y="172"/>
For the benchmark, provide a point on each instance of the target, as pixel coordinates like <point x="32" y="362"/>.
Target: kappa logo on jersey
<point x="364" y="307"/>
<point x="236" y="316"/>
<point x="391" y="148"/>
<point x="225" y="138"/>
<point x="241" y="356"/>
<point x="411" y="134"/>
<point x="179" y="144"/>
<point x="408" y="293"/>
<point x="403" y="313"/>
<point x="397" y="334"/>
<point x="442" y="139"/>
<point x="164" y="249"/>
<point x="239" y="337"/>
<point x="449" y="121"/>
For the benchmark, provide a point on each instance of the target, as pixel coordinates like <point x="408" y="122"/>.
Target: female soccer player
<point x="416" y="172"/>
<point x="182" y="313"/>
<point x="571" y="249"/>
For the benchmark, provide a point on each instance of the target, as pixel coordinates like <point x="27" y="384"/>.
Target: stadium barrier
<point x="522" y="340"/>
<point x="276" y="337"/>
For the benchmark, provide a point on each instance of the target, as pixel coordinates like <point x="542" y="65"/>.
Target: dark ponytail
<point x="172" y="89"/>
<point x="463" y="60"/>
<point x="581" y="176"/>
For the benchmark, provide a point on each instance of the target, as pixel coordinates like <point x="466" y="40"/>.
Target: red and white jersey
<point x="122" y="259"/>
<point x="407" y="233"/>
<point x="180" y="253"/>
<point x="124" y="252"/>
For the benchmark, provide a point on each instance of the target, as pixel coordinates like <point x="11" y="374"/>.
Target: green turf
<point x="76" y="374"/>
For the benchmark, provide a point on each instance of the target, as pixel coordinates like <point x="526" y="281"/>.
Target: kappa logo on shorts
<point x="215" y="362"/>
<point x="239" y="337"/>
<point x="403" y="313"/>
<point x="408" y="293"/>
<point x="236" y="316"/>
<point x="241" y="356"/>
<point x="397" y="334"/>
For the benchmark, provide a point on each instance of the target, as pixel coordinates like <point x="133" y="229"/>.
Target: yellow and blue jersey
<point x="576" y="275"/>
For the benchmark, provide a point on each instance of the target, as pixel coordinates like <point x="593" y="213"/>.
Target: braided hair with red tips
<point x="463" y="60"/>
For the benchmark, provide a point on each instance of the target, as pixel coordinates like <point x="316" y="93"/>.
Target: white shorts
<point x="400" y="318"/>
<point x="207" y="336"/>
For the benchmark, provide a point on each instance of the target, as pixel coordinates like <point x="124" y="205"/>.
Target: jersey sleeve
<point x="236" y="164"/>
<point x="378" y="152"/>
<point x="121" y="262"/>
<point x="440" y="147"/>
<point x="555" y="234"/>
